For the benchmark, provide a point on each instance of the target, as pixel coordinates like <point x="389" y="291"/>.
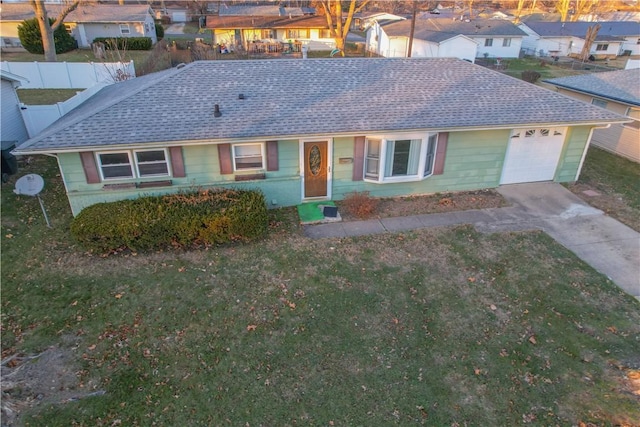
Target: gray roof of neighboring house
<point x="622" y="86"/>
<point x="291" y="98"/>
<point x="438" y="30"/>
<point x="579" y="29"/>
<point x="84" y="13"/>
<point x="263" y="10"/>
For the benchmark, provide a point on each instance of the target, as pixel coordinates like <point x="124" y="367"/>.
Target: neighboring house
<point x="318" y="129"/>
<point x="568" y="38"/>
<point x="85" y="23"/>
<point x="309" y="30"/>
<point x="446" y="38"/>
<point x="13" y="130"/>
<point x="363" y="22"/>
<point x="617" y="91"/>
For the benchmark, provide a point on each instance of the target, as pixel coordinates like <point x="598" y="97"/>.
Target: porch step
<point x="313" y="212"/>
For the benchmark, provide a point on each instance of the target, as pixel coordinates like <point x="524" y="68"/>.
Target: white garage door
<point x="533" y="155"/>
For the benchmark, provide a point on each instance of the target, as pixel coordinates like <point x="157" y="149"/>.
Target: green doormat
<point x="310" y="212"/>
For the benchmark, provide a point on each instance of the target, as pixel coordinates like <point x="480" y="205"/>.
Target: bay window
<point x="396" y="159"/>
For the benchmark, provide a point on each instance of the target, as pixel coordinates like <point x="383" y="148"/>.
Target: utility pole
<point x="413" y="27"/>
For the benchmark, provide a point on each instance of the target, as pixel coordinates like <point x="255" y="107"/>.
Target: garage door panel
<point x="533" y="155"/>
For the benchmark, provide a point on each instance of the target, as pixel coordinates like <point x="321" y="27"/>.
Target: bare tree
<point x="584" y="7"/>
<point x="563" y="7"/>
<point x="339" y="28"/>
<point x="47" y="28"/>
<point x="519" y="9"/>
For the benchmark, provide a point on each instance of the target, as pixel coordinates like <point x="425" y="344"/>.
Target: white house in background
<point x="446" y="38"/>
<point x="13" y="130"/>
<point x="568" y="38"/>
<point x="364" y="22"/>
<point x="85" y="23"/>
<point x="617" y="91"/>
<point x="391" y="40"/>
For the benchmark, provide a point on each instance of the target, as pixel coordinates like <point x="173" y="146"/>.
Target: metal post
<point x="44" y="212"/>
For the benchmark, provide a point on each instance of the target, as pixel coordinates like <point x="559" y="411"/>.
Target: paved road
<point x="607" y="245"/>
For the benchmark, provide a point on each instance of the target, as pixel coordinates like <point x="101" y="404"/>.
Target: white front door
<point x="533" y="155"/>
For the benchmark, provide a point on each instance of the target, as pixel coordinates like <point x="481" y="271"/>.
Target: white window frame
<point x="132" y="163"/>
<point x="602" y="47"/>
<point x="488" y="42"/>
<point x="137" y="163"/>
<point x="262" y="156"/>
<point x="125" y="27"/>
<point x="506" y="42"/>
<point x="423" y="170"/>
<point x="118" y="178"/>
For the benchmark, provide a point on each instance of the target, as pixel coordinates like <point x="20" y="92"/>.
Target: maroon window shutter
<point x="272" y="156"/>
<point x="90" y="168"/>
<point x="177" y="162"/>
<point x="441" y="152"/>
<point x="358" y="158"/>
<point x="224" y="154"/>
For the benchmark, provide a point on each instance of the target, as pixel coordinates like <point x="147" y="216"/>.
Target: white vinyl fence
<point x="69" y="75"/>
<point x="38" y="117"/>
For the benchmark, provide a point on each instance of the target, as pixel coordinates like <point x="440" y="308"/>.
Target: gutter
<point x="262" y="138"/>
<point x="599" y="95"/>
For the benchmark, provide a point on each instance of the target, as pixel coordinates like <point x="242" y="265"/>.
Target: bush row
<point x="205" y="217"/>
<point x="125" y="43"/>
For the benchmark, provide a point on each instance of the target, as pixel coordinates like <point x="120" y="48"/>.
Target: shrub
<point x="360" y="204"/>
<point x="125" y="43"/>
<point x="159" y="31"/>
<point x="185" y="219"/>
<point x="530" y="76"/>
<point x="31" y="38"/>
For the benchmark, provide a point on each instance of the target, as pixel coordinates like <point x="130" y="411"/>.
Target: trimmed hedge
<point x="206" y="217"/>
<point x="125" y="43"/>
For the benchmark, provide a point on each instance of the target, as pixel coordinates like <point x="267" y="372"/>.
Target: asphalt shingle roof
<point x="622" y="85"/>
<point x="579" y="28"/>
<point x="437" y="30"/>
<point x="297" y="97"/>
<point x="84" y="12"/>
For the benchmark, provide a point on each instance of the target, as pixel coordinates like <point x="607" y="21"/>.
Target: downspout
<point x="586" y="147"/>
<point x="64" y="181"/>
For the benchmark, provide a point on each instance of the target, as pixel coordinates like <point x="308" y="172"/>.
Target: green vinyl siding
<point x="473" y="160"/>
<point x="202" y="170"/>
<point x="572" y="154"/>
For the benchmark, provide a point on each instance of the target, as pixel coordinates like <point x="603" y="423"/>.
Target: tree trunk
<point x="45" y="30"/>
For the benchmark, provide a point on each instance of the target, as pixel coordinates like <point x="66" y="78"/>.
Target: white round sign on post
<point x="31" y="185"/>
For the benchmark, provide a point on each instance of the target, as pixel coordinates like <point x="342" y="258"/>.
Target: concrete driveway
<point x="607" y="245"/>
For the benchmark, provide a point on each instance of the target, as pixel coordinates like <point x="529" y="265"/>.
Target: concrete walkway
<point x="607" y="245"/>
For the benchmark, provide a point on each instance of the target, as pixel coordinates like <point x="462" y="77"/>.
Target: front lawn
<point x="434" y="327"/>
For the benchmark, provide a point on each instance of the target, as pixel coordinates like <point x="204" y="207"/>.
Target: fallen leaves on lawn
<point x="251" y="327"/>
